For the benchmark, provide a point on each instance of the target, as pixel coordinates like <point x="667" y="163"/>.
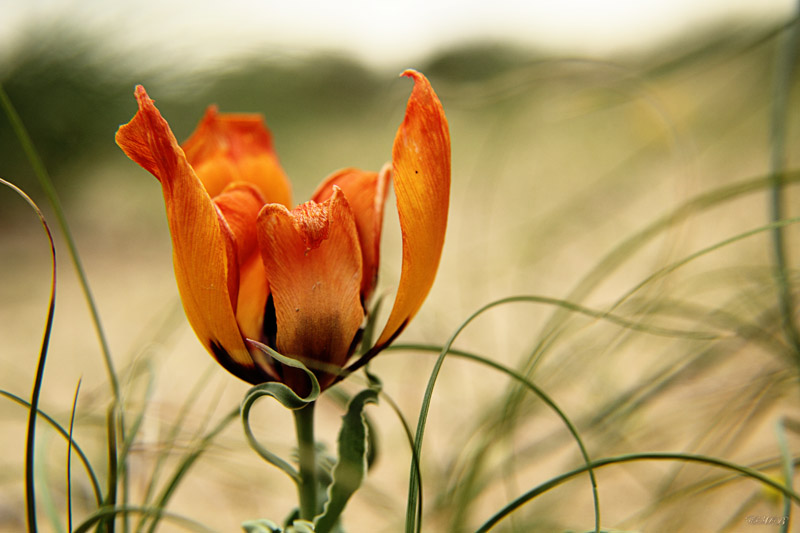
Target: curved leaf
<point x="351" y="467"/>
<point x="286" y="396"/>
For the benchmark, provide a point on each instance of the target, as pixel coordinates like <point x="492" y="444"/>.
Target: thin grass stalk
<point x="619" y="254"/>
<point x="701" y="487"/>
<point x="170" y="439"/>
<point x="787" y="469"/>
<point x="122" y="461"/>
<point x="113" y="468"/>
<point x="784" y="71"/>
<point x="624" y="250"/>
<point x="187" y="462"/>
<point x="109" y="513"/>
<point x="49" y="189"/>
<point x="55" y="203"/>
<point x="30" y="436"/>
<point x="46" y="502"/>
<point x="69" y="456"/>
<point x="128" y="436"/>
<point x="620" y="459"/>
<point x="777" y="225"/>
<point x="736" y="327"/>
<point x="98" y="496"/>
<point x="424" y="409"/>
<point x="410" y="439"/>
<point x="533" y="388"/>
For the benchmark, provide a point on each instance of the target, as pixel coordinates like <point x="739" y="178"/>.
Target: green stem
<point x="307" y="489"/>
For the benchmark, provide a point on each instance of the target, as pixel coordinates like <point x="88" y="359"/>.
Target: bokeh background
<point x="576" y="129"/>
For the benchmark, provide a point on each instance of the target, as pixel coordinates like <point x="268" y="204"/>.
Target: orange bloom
<point x="299" y="280"/>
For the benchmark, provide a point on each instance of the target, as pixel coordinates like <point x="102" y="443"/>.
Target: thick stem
<point x="307" y="489"/>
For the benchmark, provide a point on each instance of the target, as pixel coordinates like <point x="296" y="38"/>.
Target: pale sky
<point x="378" y="32"/>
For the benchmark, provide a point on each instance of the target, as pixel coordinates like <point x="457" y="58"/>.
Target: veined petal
<point x="313" y="263"/>
<point x="366" y="194"/>
<point x="227" y="148"/>
<point x="421" y="173"/>
<point x="253" y="293"/>
<point x="240" y="204"/>
<point x="204" y="251"/>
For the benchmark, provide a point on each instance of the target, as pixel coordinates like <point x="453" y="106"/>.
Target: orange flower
<point x="298" y="280"/>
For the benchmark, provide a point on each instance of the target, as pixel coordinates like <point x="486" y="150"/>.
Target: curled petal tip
<point x="141" y="95"/>
<point x="204" y="251"/>
<point x="421" y="169"/>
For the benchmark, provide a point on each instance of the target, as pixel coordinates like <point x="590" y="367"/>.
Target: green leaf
<point x="261" y="526"/>
<point x="286" y="396"/>
<point x="352" y="464"/>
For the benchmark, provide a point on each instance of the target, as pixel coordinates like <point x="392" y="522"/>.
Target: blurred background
<point x="583" y="134"/>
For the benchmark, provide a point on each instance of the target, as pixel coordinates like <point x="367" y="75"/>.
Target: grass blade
<point x="50" y="191"/>
<point x="113" y="465"/>
<point x="30" y="440"/>
<point x="157" y="511"/>
<point x="69" y="457"/>
<point x="787" y="469"/>
<point x="536" y="390"/>
<point x="424" y="409"/>
<point x="784" y="71"/>
<point x="620" y="459"/>
<point x="64" y="433"/>
<point x="110" y="513"/>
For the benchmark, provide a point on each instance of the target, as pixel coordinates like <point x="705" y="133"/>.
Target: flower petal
<point x="421" y="173"/>
<point x="366" y="194"/>
<point x="240" y="204"/>
<point x="226" y="148"/>
<point x="313" y="263"/>
<point x="253" y="293"/>
<point x="204" y="251"/>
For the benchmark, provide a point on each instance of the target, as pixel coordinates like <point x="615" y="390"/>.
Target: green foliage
<point x="286" y="396"/>
<point x="351" y="464"/>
